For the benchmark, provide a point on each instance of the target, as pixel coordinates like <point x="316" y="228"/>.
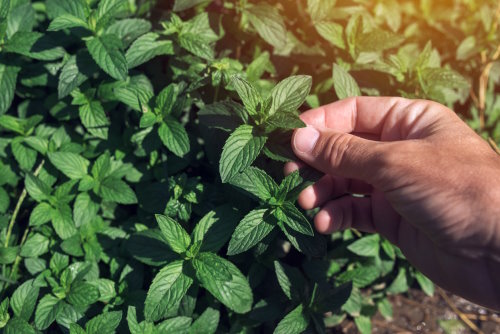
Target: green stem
<point x="18" y="207"/>
<point x="18" y="258"/>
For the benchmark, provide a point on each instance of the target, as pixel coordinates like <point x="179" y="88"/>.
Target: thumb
<point x="337" y="153"/>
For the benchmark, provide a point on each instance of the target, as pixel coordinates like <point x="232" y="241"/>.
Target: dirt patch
<point x="416" y="312"/>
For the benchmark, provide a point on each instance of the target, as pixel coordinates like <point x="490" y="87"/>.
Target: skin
<point x="432" y="186"/>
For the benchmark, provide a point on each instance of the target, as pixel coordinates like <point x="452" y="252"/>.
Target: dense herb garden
<point x="142" y="145"/>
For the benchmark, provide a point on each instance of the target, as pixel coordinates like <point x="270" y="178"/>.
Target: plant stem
<point x="18" y="207"/>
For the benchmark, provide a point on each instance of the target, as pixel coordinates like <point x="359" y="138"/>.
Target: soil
<point x="416" y="312"/>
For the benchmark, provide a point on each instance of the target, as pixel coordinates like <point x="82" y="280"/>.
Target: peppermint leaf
<point x="146" y="48"/>
<point x="294" y="322"/>
<point x="256" y="182"/>
<point x="240" y="150"/>
<point x="174" y="136"/>
<point x="106" y="50"/>
<point x="292" y="217"/>
<point x="254" y="227"/>
<point x="70" y="164"/>
<point x="288" y="95"/>
<point x="344" y="83"/>
<point x="176" y="237"/>
<point x="166" y="291"/>
<point x="234" y="292"/>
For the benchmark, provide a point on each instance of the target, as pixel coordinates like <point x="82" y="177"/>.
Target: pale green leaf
<point x="344" y="83"/>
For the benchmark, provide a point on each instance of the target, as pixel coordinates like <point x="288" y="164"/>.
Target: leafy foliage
<point x="141" y="148"/>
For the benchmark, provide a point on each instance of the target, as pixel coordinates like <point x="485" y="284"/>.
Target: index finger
<point x="383" y="117"/>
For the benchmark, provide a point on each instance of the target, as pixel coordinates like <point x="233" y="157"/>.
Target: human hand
<point x="432" y="186"/>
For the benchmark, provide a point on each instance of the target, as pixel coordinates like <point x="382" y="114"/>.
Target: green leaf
<point x="8" y="77"/>
<point x="25" y="156"/>
<point x="256" y="182"/>
<point x="288" y="95"/>
<point x="35" y="246"/>
<point x="181" y="5"/>
<point x="240" y="150"/>
<point x="166" y="291"/>
<point x="82" y="294"/>
<point x="78" y="8"/>
<point x="400" y="283"/>
<point x="292" y="217"/>
<point x="206" y="323"/>
<point x="67" y="21"/>
<point x="332" y="32"/>
<point x="19" y="326"/>
<point x="175" y="235"/>
<point x="4" y="200"/>
<point x="344" y="83"/>
<point x="425" y="283"/>
<point x="319" y="9"/>
<point x="174" y="136"/>
<point x="175" y="325"/>
<point x="284" y="120"/>
<point x="8" y="254"/>
<point x="363" y="323"/>
<point x="76" y="329"/>
<point x="254" y="227"/>
<point x="34" y="45"/>
<point x="150" y="247"/>
<point x="366" y="246"/>
<point x="235" y="292"/>
<point x="94" y="119"/>
<point x="215" y="228"/>
<point x="84" y="209"/>
<point x="268" y="23"/>
<point x="294" y="322"/>
<point x="36" y="188"/>
<point x="23" y="300"/>
<point x="116" y="190"/>
<point x="248" y="94"/>
<point x="290" y="279"/>
<point x="312" y="246"/>
<point x="146" y="48"/>
<point x="385" y="308"/>
<point x="107" y="10"/>
<point x="129" y="29"/>
<point x="70" y="164"/>
<point x="46" y="311"/>
<point x="62" y="222"/>
<point x="106" y="50"/>
<point x="104" y="323"/>
<point x="76" y="71"/>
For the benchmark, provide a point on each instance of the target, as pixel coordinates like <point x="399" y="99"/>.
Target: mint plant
<point x="142" y="145"/>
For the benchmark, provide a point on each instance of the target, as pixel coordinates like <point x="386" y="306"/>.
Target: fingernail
<point x="305" y="139"/>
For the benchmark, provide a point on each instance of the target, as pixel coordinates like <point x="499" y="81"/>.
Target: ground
<point x="416" y="312"/>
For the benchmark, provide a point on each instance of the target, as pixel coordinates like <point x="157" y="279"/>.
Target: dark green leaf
<point x="239" y="151"/>
<point x="254" y="227"/>
<point x="166" y="291"/>
<point x="106" y="50"/>
<point x="175" y="235"/>
<point x="234" y="292"/>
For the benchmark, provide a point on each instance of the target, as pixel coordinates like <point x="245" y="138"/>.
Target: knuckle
<point x="336" y="148"/>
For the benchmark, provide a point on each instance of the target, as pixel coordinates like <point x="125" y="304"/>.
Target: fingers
<point x="338" y="154"/>
<point x="388" y="118"/>
<point x="327" y="188"/>
<point x="344" y="213"/>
